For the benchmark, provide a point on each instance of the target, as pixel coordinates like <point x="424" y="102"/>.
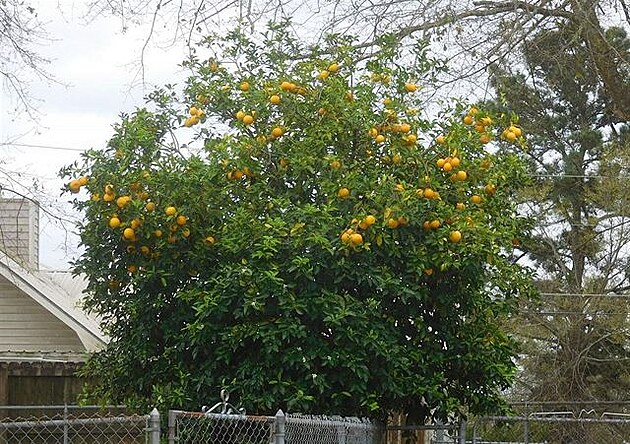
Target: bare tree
<point x="21" y="61"/>
<point x="475" y="33"/>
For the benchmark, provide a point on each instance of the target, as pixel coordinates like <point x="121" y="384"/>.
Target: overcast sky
<point x="97" y="64"/>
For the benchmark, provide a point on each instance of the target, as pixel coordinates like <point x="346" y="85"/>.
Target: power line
<point x="586" y="295"/>
<point x="47" y="147"/>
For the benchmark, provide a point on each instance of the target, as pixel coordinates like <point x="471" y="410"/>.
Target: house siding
<point x="19" y="231"/>
<point x="26" y="325"/>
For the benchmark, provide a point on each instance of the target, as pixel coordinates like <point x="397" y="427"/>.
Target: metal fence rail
<point x="534" y="429"/>
<point x="217" y="428"/>
<point x="76" y="425"/>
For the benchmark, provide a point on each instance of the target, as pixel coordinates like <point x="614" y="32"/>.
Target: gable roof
<point x="62" y="304"/>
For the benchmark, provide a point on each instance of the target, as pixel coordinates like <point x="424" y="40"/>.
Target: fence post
<point x="281" y="420"/>
<point x="341" y="434"/>
<point x="154" y="426"/>
<point x="462" y="431"/>
<point x="172" y="425"/>
<point x="65" y="424"/>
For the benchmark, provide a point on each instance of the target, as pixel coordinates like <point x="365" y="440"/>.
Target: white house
<point x="44" y="335"/>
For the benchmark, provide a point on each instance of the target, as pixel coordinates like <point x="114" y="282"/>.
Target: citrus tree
<point x="324" y="249"/>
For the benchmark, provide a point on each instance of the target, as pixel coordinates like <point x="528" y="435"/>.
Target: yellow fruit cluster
<point x="195" y="117"/>
<point x="75" y="184"/>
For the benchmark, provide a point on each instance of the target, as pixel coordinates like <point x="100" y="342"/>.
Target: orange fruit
<point x="191" y="121"/>
<point x="334" y="67"/>
<point x="373" y="132"/>
<point x="122" y="201"/>
<point x="490" y="189"/>
<point x="428" y="193"/>
<point x="411" y="87"/>
<point x="428" y="271"/>
<point x="468" y="120"/>
<point x="275" y="99"/>
<point x="461" y="175"/>
<point x="392" y="223"/>
<point x="435" y="223"/>
<point x="455" y="236"/>
<point x="396" y="159"/>
<point x="380" y="138"/>
<point x="277" y="132"/>
<point x="484" y="138"/>
<point x="170" y="211"/>
<point x="150" y="206"/>
<point x="132" y="268"/>
<point x="323" y="75"/>
<point x="370" y="220"/>
<point x="135" y="223"/>
<point x="460" y="206"/>
<point x="411" y="139"/>
<point x="455" y="161"/>
<point x="244" y="86"/>
<point x="404" y="128"/>
<point x="240" y="115"/>
<point x="157" y="233"/>
<point x="516" y="130"/>
<point x="209" y="241"/>
<point x="356" y="238"/>
<point x="335" y="164"/>
<point x="186" y="232"/>
<point x="440" y="163"/>
<point x="343" y="193"/>
<point x="181" y="220"/>
<point x="129" y="234"/>
<point x="287" y="86"/>
<point x="248" y="119"/>
<point x="83" y="181"/>
<point x="475" y="199"/>
<point x="509" y="135"/>
<point x="441" y="140"/>
<point x="345" y="236"/>
<point x="114" y="222"/>
<point x="75" y="186"/>
<point x="448" y="166"/>
<point x="109" y="197"/>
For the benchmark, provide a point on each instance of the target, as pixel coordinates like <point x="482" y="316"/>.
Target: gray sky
<point x="97" y="64"/>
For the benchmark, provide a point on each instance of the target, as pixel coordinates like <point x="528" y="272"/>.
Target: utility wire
<point x="47" y="147"/>
<point x="587" y="295"/>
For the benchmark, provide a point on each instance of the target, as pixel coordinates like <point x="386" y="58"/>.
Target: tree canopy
<point x="576" y="339"/>
<point x="294" y="230"/>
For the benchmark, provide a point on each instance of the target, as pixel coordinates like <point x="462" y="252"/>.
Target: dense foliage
<point x="323" y="249"/>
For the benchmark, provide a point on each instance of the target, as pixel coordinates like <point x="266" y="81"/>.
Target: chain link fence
<point x="76" y="425"/>
<point x="556" y="423"/>
<point x="217" y="428"/>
